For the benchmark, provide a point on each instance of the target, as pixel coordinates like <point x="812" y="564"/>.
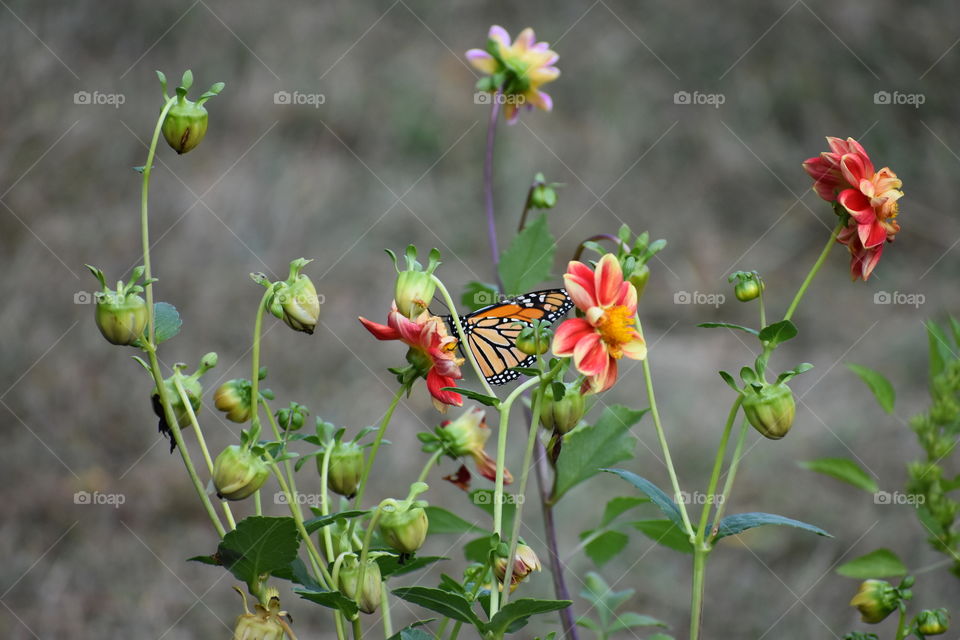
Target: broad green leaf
<point x="879" y="385"/>
<point x="314" y="524"/>
<point x="665" y="532"/>
<point x="589" y="448"/>
<point x="477" y="550"/>
<point x="618" y="506"/>
<point x="529" y="259"/>
<point x="516" y="614"/>
<point x="482" y="398"/>
<point x="732" y="525"/>
<point x="414" y="632"/>
<point x="390" y="565"/>
<point x="451" y="605"/>
<point x="167" y="321"/>
<point x="661" y="499"/>
<point x="477" y="295"/>
<point x="881" y="563"/>
<point x="843" y="469"/>
<point x="778" y="332"/>
<point x="331" y="599"/>
<point x="605" y="546"/>
<point x="297" y="572"/>
<point x="443" y="521"/>
<point x="630" y="620"/>
<point x="728" y="325"/>
<point x="259" y="545"/>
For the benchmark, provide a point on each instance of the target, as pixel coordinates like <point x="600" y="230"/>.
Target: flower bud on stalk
<point x="238" y="472"/>
<point x="403" y="523"/>
<point x="564" y="414"/>
<point x="186" y="122"/>
<point x="415" y="287"/>
<point x="525" y="562"/>
<point x="295" y="300"/>
<point x="933" y="622"/>
<point x="770" y="409"/>
<point x="748" y="285"/>
<point x="368" y="595"/>
<point x="194" y="391"/>
<point x="534" y="340"/>
<point x="233" y="398"/>
<point x="121" y="314"/>
<point x="266" y="623"/>
<point x="345" y="468"/>
<point x="875" y="600"/>
<point x="543" y="195"/>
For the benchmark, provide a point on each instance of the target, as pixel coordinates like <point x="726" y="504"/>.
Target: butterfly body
<point x="491" y="332"/>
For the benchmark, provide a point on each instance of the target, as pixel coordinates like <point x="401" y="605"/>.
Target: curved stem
<point x="902" y="624"/>
<point x="731" y="476"/>
<point x="427" y="467"/>
<point x="357" y="629"/>
<point x="324" y="497"/>
<point x="813" y="272"/>
<point x="600" y="236"/>
<point x="358" y="500"/>
<point x="255" y="356"/>
<point x="461" y="336"/>
<point x="488" y="184"/>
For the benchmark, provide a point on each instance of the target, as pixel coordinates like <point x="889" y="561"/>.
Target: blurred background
<point x="383" y="147"/>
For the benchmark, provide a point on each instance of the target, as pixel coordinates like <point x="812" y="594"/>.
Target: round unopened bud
<point x="747" y="290"/>
<point x="534" y="341"/>
<point x="233" y="398"/>
<point x="295" y="300"/>
<point x="415" y="286"/>
<point x="265" y="623"/>
<point x="933" y="622"/>
<point x="345" y="468"/>
<point x="770" y="410"/>
<point x="368" y="595"/>
<point x="403" y="525"/>
<point x="875" y="600"/>
<point x="121" y="318"/>
<point x="543" y="196"/>
<point x="564" y="414"/>
<point x="525" y="562"/>
<point x="185" y="125"/>
<point x="238" y="473"/>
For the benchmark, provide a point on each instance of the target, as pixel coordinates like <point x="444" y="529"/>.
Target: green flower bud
<point x="265" y="623"/>
<point x="403" y="523"/>
<point x="543" y="196"/>
<point x="639" y="278"/>
<point x="291" y="418"/>
<point x="295" y="300"/>
<point x="564" y="414"/>
<point x="233" y="398"/>
<point x="534" y="341"/>
<point x="346" y="468"/>
<point x="875" y="600"/>
<point x="185" y="124"/>
<point x="238" y="472"/>
<point x="770" y="410"/>
<point x="415" y="287"/>
<point x="933" y="622"/>
<point x="367" y="596"/>
<point x="748" y="285"/>
<point x="121" y="314"/>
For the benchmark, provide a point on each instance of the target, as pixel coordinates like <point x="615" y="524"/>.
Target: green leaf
<point x="477" y="295"/>
<point x="477" y="550"/>
<point x="315" y="524"/>
<point x="414" y="632"/>
<point x="603" y="599"/>
<point x="729" y="380"/>
<point x="661" y="499"/>
<point x="297" y="572"/>
<point x="605" y="546"/>
<point x="259" y="545"/>
<point x="618" y="506"/>
<point x="516" y="614"/>
<point x="738" y="523"/>
<point x="728" y="325"/>
<point x="631" y="620"/>
<point x="483" y="399"/>
<point x="529" y="259"/>
<point x="881" y="563"/>
<point x="843" y="469"/>
<point x="213" y="561"/>
<point x="483" y="499"/>
<point x="774" y="334"/>
<point x="331" y="599"/>
<point x="443" y="521"/>
<point x="451" y="605"/>
<point x="167" y="321"/>
<point x="390" y="565"/>
<point x="589" y="448"/>
<point x="660" y="636"/>
<point x="939" y="349"/>
<point x="878" y="384"/>
<point x="665" y="532"/>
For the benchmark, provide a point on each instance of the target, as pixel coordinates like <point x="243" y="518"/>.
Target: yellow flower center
<point x="616" y="327"/>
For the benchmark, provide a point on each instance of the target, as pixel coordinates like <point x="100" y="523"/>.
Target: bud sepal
<point x="415" y="286"/>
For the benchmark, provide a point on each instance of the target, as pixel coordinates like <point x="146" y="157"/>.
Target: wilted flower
<point x="525" y="562"/>
<point x="467" y="436"/>
<point x="607" y="332"/>
<point x="432" y="351"/>
<point x="265" y="623"/>
<point x="516" y="69"/>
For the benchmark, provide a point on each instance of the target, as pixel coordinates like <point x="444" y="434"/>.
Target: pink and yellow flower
<point x="825" y="169"/>
<point x="607" y="331"/>
<point x="517" y="70"/>
<point x="432" y="351"/>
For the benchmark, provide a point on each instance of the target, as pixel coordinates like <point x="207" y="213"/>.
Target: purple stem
<point x="488" y="185"/>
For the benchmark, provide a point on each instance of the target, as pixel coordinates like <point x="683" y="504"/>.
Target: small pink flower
<point x="607" y="332"/>
<point x="431" y="350"/>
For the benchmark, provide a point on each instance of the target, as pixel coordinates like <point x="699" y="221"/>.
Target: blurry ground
<point x="393" y="156"/>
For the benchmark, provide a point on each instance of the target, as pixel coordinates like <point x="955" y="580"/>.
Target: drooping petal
<point x="607" y="280"/>
<point x="436" y="384"/>
<point x="461" y="478"/>
<point x="511" y="112"/>
<point x="568" y="334"/>
<point x="482" y="61"/>
<point x="590" y="355"/>
<point x="487" y="467"/>
<point x="380" y="331"/>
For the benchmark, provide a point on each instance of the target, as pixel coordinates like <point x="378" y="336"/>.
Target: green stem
<point x="257" y="503"/>
<point x="696" y="601"/>
<point x="324" y="497"/>
<point x="357" y="629"/>
<point x="442" y="629"/>
<point x="385" y="608"/>
<point x="455" y="631"/>
<point x="358" y="500"/>
<point x="319" y="566"/>
<point x="731" y="476"/>
<point x="185" y="399"/>
<point x="813" y="272"/>
<point x="902" y="624"/>
<point x="717" y="467"/>
<point x="427" y="467"/>
<point x="462" y="336"/>
<point x="255" y="357"/>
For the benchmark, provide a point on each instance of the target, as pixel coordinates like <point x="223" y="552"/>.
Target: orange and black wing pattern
<point x="491" y="332"/>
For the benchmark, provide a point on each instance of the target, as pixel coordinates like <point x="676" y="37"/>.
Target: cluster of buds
<point x="291" y="418"/>
<point x="186" y="122"/>
<point x="747" y="285"/>
<point x="267" y="622"/>
<point x="192" y="388"/>
<point x="415" y="286"/>
<point x="525" y="562"/>
<point x="403" y="523"/>
<point x="121" y="313"/>
<point x="368" y="594"/>
<point x="561" y="408"/>
<point x="295" y="299"/>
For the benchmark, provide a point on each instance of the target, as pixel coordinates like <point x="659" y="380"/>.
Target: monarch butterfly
<point x="491" y="332"/>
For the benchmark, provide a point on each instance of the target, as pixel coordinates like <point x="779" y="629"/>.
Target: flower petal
<point x="482" y="61"/>
<point x="590" y="356"/>
<point x="380" y="331"/>
<point x="857" y="205"/>
<point x="579" y="283"/>
<point x="606" y="378"/>
<point x="499" y="34"/>
<point x="436" y="384"/>
<point x="568" y="334"/>
<point x="636" y="349"/>
<point x="607" y="280"/>
<point x="872" y="235"/>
